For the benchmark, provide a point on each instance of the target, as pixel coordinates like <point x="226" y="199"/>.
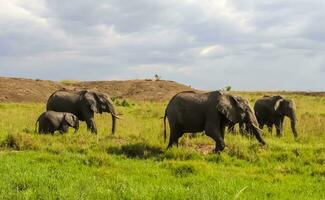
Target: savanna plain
<point x="135" y="164"/>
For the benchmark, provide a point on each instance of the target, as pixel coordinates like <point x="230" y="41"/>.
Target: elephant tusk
<point x="117" y="117"/>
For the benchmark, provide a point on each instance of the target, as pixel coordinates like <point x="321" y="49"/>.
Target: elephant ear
<point x="102" y="102"/>
<point x="231" y="108"/>
<point x="292" y="104"/>
<point x="277" y="105"/>
<point x="90" y="100"/>
<point x="70" y="119"/>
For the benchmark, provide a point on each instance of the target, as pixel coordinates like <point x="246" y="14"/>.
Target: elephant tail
<point x="36" y="123"/>
<point x="165" y="136"/>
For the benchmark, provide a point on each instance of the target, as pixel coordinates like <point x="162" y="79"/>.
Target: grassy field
<point x="134" y="163"/>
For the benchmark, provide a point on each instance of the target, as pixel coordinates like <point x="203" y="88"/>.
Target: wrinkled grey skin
<point x="271" y="110"/>
<point x="83" y="104"/>
<point x="51" y="121"/>
<point x="190" y="112"/>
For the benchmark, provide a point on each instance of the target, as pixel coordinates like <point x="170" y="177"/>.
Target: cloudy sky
<point x="208" y="44"/>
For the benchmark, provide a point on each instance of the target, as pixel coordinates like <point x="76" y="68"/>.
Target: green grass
<point x="134" y="163"/>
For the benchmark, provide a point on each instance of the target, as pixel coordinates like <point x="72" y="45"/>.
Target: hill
<point x="29" y="90"/>
<point x="34" y="91"/>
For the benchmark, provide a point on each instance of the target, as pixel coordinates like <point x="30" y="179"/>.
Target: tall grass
<point x="134" y="163"/>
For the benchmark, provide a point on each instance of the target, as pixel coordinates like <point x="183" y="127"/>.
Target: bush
<point x="10" y="142"/>
<point x="228" y="88"/>
<point x="19" y="142"/>
<point x="123" y="103"/>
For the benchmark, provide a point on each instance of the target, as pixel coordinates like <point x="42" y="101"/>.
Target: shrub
<point x="19" y="141"/>
<point x="228" y="88"/>
<point x="157" y="77"/>
<point x="125" y="103"/>
<point x="10" y="142"/>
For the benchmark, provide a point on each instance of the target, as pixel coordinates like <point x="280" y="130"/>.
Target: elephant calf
<point x="51" y="121"/>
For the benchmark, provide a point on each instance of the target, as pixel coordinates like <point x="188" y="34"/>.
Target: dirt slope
<point x="28" y="90"/>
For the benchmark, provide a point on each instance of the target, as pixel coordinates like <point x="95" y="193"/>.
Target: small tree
<point x="228" y="88"/>
<point x="157" y="77"/>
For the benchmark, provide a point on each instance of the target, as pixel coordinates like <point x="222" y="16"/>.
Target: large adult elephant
<point x="83" y="104"/>
<point x="190" y="112"/>
<point x="271" y="110"/>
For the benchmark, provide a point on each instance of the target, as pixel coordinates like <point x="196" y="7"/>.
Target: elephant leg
<point x="214" y="132"/>
<point x="91" y="125"/>
<point x="175" y="134"/>
<point x="64" y="128"/>
<point x="278" y="127"/>
<point x="231" y="128"/>
<point x="222" y="128"/>
<point x="242" y="129"/>
<point x="247" y="130"/>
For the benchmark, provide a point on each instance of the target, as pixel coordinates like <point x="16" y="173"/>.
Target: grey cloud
<point x="247" y="44"/>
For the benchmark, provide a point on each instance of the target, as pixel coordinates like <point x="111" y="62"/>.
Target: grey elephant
<point x="190" y="112"/>
<point x="271" y="110"/>
<point x="51" y="121"/>
<point x="243" y="129"/>
<point x="83" y="104"/>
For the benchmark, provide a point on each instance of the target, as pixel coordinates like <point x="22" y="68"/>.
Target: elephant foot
<point x="216" y="151"/>
<point x="169" y="146"/>
<point x="219" y="149"/>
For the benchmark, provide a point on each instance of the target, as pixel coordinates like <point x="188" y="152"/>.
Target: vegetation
<point x="69" y="81"/>
<point x="134" y="164"/>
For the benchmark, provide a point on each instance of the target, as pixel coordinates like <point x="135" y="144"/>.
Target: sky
<point x="208" y="44"/>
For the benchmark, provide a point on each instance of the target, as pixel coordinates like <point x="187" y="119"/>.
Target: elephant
<point x="51" y="121"/>
<point x="243" y="129"/>
<point x="271" y="110"/>
<point x="211" y="112"/>
<point x="83" y="104"/>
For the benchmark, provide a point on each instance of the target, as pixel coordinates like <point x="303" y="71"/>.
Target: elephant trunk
<point x="114" y="117"/>
<point x="293" y="126"/>
<point x="293" y="120"/>
<point x="256" y="130"/>
<point x="111" y="109"/>
<point x="113" y="123"/>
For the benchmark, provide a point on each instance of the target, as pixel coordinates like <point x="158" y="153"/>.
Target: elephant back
<point x="63" y="101"/>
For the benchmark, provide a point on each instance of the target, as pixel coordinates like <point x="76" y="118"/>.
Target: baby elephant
<point x="51" y="121"/>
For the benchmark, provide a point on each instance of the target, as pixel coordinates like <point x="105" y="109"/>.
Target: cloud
<point x="206" y="44"/>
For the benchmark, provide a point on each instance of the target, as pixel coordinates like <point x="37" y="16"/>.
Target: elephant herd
<point x="187" y="112"/>
<point x="63" y="106"/>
